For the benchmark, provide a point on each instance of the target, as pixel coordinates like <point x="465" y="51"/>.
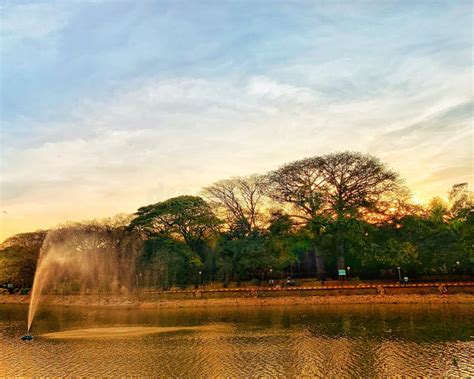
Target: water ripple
<point x="275" y="343"/>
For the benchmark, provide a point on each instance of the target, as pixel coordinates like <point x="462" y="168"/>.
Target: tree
<point x="465" y="244"/>
<point x="250" y="257"/>
<point x="300" y="184"/>
<point x="281" y="242"/>
<point x="330" y="208"/>
<point x="338" y="186"/>
<point x="18" y="258"/>
<point x="355" y="182"/>
<point x="184" y="217"/>
<point x="437" y="210"/>
<point x="225" y="262"/>
<point x="240" y="200"/>
<point x="433" y="239"/>
<point x="461" y="200"/>
<point x="166" y="262"/>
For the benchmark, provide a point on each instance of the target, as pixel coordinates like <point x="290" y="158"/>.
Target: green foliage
<point x="184" y="217"/>
<point x="437" y="210"/>
<point x="18" y="257"/>
<point x="249" y="256"/>
<point x="280" y="224"/>
<point x="461" y="201"/>
<point x="167" y="262"/>
<point x="336" y="210"/>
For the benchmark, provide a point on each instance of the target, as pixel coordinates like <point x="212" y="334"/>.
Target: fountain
<point x="84" y="259"/>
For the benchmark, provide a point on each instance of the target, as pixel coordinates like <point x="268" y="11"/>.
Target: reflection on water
<point x="125" y="331"/>
<point x="329" y="341"/>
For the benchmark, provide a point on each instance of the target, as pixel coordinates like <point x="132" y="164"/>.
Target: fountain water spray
<point x="85" y="258"/>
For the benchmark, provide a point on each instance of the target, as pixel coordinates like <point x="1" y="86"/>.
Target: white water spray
<point x="85" y="258"/>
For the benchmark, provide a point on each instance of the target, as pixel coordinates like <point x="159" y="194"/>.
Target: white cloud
<point x="267" y="88"/>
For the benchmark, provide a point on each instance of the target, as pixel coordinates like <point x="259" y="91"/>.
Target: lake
<point x="330" y="341"/>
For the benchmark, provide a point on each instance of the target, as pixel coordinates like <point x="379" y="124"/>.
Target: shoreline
<point x="133" y="302"/>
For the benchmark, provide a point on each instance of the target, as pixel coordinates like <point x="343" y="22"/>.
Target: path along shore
<point x="427" y="293"/>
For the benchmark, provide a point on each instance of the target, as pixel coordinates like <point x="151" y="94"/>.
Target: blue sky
<point x="109" y="105"/>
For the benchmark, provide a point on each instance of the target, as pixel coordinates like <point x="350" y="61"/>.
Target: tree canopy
<point x="306" y="218"/>
<point x="188" y="218"/>
<point x="240" y="201"/>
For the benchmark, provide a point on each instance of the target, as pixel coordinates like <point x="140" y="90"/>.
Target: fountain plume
<point x="85" y="258"/>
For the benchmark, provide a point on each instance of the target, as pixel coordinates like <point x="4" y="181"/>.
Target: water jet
<point x="86" y="258"/>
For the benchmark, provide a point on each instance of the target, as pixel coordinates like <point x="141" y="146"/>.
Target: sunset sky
<point x="110" y="105"/>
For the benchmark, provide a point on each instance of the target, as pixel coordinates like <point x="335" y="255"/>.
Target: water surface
<point x="329" y="341"/>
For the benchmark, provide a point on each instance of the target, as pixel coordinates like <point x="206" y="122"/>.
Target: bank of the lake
<point x="198" y="299"/>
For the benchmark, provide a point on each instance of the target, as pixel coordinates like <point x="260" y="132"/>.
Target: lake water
<point x="324" y="341"/>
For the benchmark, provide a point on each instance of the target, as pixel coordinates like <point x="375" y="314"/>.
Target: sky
<point x="106" y="106"/>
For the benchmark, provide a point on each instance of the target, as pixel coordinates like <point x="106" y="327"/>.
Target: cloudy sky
<point x="110" y="105"/>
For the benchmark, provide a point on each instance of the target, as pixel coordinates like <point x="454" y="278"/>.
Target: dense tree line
<point x="308" y="218"/>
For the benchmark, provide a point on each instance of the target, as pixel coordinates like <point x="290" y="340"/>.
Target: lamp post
<point x="348" y="271"/>
<point x="271" y="277"/>
<point x="399" y="275"/>
<point x="200" y="277"/>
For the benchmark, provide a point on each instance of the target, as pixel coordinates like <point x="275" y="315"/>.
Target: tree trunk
<point x="341" y="265"/>
<point x="340" y="250"/>
<point x="320" y="269"/>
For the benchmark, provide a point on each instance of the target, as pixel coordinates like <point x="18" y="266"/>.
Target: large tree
<point x="188" y="218"/>
<point x="166" y="262"/>
<point x="300" y="184"/>
<point x="340" y="186"/>
<point x="18" y="258"/>
<point x="356" y="182"/>
<point x="240" y="201"/>
<point x="461" y="200"/>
